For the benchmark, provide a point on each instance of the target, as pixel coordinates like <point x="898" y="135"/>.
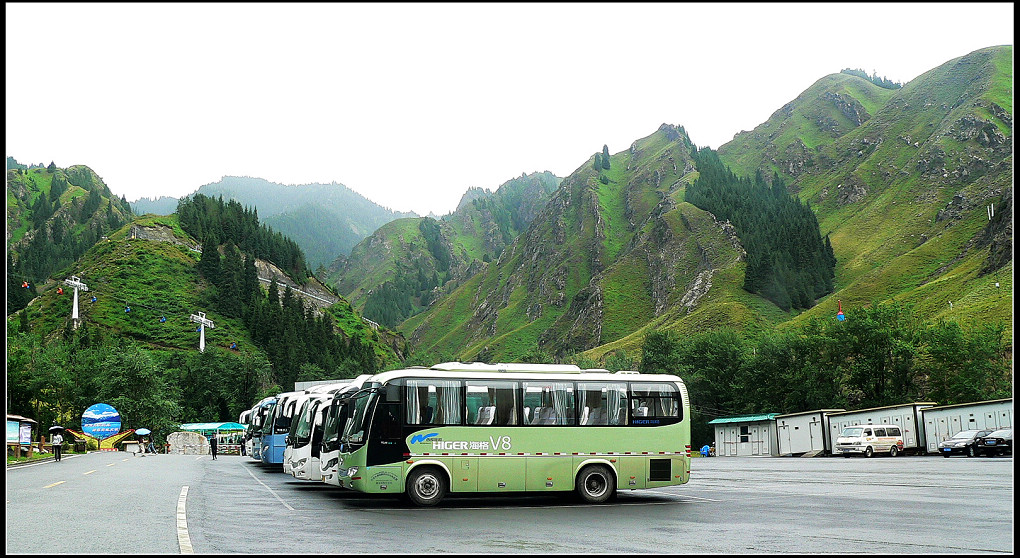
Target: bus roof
<point x="523" y="371"/>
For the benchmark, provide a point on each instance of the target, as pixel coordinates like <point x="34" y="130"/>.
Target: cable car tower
<point x="202" y="323"/>
<point x="75" y="283"/>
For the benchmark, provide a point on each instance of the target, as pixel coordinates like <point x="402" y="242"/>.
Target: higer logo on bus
<point x="417" y="438"/>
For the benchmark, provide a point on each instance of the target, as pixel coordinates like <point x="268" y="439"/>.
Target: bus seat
<point x="548" y="416"/>
<point x="596" y="416"/>
<point x="621" y="416"/>
<point x="486" y="415"/>
<point x="641" y="412"/>
<point x="426" y="417"/>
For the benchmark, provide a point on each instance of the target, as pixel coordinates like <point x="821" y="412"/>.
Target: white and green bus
<point x="491" y="428"/>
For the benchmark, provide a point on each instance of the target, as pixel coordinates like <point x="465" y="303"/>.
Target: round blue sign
<point x="100" y="421"/>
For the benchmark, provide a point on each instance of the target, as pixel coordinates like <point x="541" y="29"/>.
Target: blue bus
<point x="277" y="427"/>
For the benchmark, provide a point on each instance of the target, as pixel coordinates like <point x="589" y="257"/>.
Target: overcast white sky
<point x="411" y="104"/>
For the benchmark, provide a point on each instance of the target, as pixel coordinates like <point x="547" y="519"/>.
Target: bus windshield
<point x="335" y="417"/>
<point x="359" y="407"/>
<point x="303" y="426"/>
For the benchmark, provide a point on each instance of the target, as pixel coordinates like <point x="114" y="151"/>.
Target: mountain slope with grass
<point x="915" y="195"/>
<point x="912" y="187"/>
<point x="407" y="263"/>
<point x="54" y="215"/>
<point x="614" y="252"/>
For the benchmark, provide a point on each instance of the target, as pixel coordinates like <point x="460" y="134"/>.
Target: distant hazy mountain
<point x="326" y="220"/>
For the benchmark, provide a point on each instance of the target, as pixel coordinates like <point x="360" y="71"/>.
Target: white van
<point x="869" y="439"/>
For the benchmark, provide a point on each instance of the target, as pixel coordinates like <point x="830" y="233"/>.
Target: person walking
<point x="212" y="445"/>
<point x="57" y="440"/>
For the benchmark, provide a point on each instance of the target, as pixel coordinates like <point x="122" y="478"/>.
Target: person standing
<point x="212" y="445"/>
<point x="57" y="440"/>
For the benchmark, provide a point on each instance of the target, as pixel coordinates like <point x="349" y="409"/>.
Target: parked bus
<point x="302" y="456"/>
<point x="285" y="420"/>
<point x="463" y="428"/>
<point x="253" y="434"/>
<point x="277" y="427"/>
<point x="297" y="450"/>
<point x="336" y="418"/>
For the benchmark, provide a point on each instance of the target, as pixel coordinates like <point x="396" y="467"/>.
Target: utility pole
<point x="202" y="323"/>
<point x="75" y="283"/>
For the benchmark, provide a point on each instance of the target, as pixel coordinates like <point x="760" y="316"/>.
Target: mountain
<point x="54" y="215"/>
<point x="613" y="251"/>
<point x="404" y="265"/>
<point x="326" y="220"/>
<point x="146" y="281"/>
<point x="163" y="205"/>
<point x="902" y="182"/>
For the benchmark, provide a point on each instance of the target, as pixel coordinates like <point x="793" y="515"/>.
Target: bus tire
<point x="595" y="484"/>
<point x="426" y="486"/>
<point x="868" y="452"/>
<point x="894" y="451"/>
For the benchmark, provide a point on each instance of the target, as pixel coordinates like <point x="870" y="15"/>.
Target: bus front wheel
<point x="426" y="486"/>
<point x="596" y="484"/>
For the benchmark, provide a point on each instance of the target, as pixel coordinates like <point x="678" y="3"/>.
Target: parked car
<point x="869" y="439"/>
<point x="962" y="442"/>
<point x="999" y="442"/>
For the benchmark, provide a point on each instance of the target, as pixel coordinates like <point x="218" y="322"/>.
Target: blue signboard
<point x="100" y="421"/>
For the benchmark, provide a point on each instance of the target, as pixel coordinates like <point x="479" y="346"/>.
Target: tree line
<point x="54" y="380"/>
<point x="213" y="222"/>
<point x="880" y="355"/>
<point x="788" y="261"/>
<point x="882" y="82"/>
<point x="297" y="342"/>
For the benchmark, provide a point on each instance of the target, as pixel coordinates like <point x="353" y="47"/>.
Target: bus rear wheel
<point x="426" y="486"/>
<point x="596" y="484"/>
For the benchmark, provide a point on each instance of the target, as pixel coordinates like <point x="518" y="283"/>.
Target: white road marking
<point x="270" y="490"/>
<point x="183" y="539"/>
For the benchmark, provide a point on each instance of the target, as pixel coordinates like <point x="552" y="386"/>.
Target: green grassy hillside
<point x="904" y="195"/>
<point x="614" y="251"/>
<point x="900" y="179"/>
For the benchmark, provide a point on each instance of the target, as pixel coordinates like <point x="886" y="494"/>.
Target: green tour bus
<point x="492" y="428"/>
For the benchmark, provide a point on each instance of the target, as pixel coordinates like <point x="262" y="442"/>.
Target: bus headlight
<point x="352" y="471"/>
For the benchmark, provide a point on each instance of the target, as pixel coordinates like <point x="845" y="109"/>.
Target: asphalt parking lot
<point x="118" y="503"/>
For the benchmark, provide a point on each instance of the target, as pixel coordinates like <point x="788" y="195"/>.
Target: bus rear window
<point x="654" y="400"/>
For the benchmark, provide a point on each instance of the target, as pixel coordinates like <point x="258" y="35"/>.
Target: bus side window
<point x="603" y="403"/>
<point x="495" y="400"/>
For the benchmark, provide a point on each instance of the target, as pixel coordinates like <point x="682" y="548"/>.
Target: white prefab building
<point x="940" y="423"/>
<point x="907" y="416"/>
<point x="804" y="432"/>
<point x="746" y="435"/>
